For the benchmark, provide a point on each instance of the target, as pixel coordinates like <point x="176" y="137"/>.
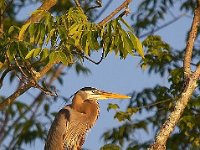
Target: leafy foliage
<point x="65" y="36"/>
<point x="60" y="38"/>
<point x="155" y="103"/>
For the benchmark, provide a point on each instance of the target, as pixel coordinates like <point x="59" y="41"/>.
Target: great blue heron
<point x="73" y="121"/>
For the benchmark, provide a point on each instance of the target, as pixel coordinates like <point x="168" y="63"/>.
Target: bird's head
<point x="90" y="93"/>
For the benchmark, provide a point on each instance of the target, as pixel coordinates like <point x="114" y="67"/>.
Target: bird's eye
<point x="93" y="91"/>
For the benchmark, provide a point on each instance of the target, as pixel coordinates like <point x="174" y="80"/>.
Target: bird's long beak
<point x="107" y="95"/>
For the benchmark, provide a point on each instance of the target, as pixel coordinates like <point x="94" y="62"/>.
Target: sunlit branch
<point x="117" y="10"/>
<point x="190" y="85"/>
<point x="103" y="9"/>
<point x="190" y="42"/>
<point x="77" y="3"/>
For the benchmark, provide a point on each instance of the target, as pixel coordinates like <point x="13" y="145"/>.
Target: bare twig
<point x="117" y="10"/>
<point x="20" y="68"/>
<point x="154" y="104"/>
<point x="99" y="4"/>
<point x="191" y="84"/>
<point x="15" y="72"/>
<point x="91" y="60"/>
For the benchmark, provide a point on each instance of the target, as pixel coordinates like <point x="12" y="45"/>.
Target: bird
<point x="73" y="121"/>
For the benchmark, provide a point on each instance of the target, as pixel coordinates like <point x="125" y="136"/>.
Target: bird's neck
<point x="89" y="108"/>
<point x="92" y="111"/>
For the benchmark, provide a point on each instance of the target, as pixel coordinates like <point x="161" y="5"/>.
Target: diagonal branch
<point x="47" y="4"/>
<point x="191" y="83"/>
<point x="117" y="10"/>
<point x="103" y="10"/>
<point x="190" y="42"/>
<point x="77" y="3"/>
<point x="25" y="87"/>
<point x="54" y="76"/>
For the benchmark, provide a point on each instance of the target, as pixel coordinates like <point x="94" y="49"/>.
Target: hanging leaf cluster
<point x="70" y="37"/>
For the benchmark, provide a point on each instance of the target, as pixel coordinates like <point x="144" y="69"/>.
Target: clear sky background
<point x="114" y="75"/>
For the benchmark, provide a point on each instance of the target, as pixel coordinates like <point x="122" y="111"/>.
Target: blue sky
<point x="115" y="75"/>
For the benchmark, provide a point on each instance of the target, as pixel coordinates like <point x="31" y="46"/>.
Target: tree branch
<point x="191" y="84"/>
<point x="25" y="87"/>
<point x="190" y="42"/>
<point x="122" y="6"/>
<point x="77" y="3"/>
<point x="103" y="10"/>
<point x="47" y="4"/>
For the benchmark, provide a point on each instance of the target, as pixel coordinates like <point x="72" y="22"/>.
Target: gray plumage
<point x="71" y="124"/>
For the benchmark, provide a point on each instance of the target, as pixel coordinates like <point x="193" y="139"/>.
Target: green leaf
<point x="53" y="57"/>
<point x="124" y="46"/>
<point x="128" y="46"/>
<point x="62" y="32"/>
<point x="37" y="33"/>
<point x="126" y="24"/>
<point x="22" y="49"/>
<point x="110" y="147"/>
<point x="132" y="110"/>
<point x="85" y="43"/>
<point x="51" y="33"/>
<point x="42" y="35"/>
<point x="115" y="25"/>
<point x="11" y="29"/>
<point x="121" y="116"/>
<point x="137" y="44"/>
<point x="34" y="52"/>
<point x="63" y="58"/>
<point x="44" y="54"/>
<point x="31" y="30"/>
<point x="74" y="28"/>
<point x="23" y="30"/>
<point x="112" y="106"/>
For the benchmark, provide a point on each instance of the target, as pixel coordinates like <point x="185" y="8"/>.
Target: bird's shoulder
<point x="64" y="112"/>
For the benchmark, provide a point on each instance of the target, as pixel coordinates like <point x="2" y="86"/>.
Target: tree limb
<point x="25" y="87"/>
<point x="190" y="42"/>
<point x="103" y="10"/>
<point x="36" y="100"/>
<point x="47" y="4"/>
<point x="122" y="6"/>
<point x="191" y="84"/>
<point x="77" y="3"/>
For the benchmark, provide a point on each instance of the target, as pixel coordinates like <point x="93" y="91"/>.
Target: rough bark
<point x="190" y="82"/>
